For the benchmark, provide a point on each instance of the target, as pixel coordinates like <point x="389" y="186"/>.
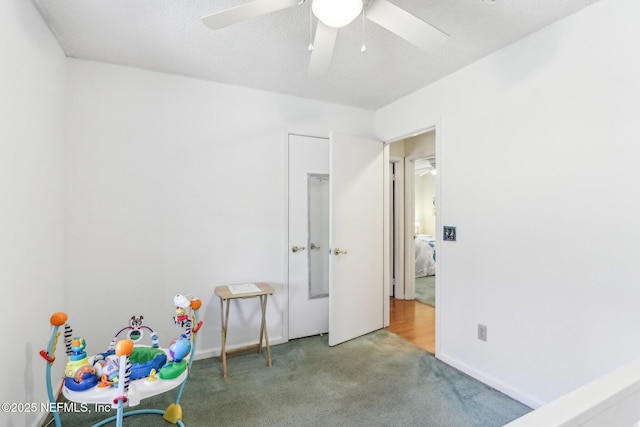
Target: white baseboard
<point x="208" y="353"/>
<point x="510" y="391"/>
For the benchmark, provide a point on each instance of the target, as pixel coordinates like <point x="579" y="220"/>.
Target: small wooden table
<point x="225" y="294"/>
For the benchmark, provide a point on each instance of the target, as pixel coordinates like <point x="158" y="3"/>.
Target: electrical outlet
<point x="482" y="332"/>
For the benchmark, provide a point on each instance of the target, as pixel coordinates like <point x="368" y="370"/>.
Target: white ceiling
<point x="270" y="52"/>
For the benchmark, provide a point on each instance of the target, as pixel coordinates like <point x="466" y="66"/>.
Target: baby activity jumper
<point x="127" y="371"/>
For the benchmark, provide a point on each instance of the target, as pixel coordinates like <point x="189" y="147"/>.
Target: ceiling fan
<point x="335" y="14"/>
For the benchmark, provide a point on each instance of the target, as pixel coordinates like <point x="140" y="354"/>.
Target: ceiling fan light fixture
<point x="336" y="13"/>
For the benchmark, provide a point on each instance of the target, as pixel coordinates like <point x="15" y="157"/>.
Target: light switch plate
<point x="449" y="233"/>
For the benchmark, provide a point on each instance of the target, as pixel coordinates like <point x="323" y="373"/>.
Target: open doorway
<point x="413" y="239"/>
<point x="424" y="241"/>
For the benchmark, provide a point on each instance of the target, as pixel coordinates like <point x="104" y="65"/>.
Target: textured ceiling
<point x="270" y="52"/>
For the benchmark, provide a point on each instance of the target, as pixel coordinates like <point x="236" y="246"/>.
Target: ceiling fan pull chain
<point x="310" y="48"/>
<point x="363" y="49"/>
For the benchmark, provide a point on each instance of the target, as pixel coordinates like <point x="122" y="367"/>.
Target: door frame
<point x="399" y="228"/>
<point x="431" y="125"/>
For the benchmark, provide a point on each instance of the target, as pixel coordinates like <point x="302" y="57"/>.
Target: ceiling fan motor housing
<point x="336" y="13"/>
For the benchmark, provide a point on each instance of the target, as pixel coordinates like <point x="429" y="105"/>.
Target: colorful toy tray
<point x="138" y="389"/>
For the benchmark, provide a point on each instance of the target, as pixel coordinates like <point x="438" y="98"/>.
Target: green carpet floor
<point x="375" y="380"/>
<point x="426" y="290"/>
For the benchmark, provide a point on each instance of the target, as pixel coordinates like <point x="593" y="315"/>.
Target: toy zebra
<point x="127" y="376"/>
<point x="187" y="329"/>
<point x="68" y="337"/>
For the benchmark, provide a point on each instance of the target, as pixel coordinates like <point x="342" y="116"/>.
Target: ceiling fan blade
<point x="409" y="27"/>
<point x="323" y="45"/>
<point x="246" y="11"/>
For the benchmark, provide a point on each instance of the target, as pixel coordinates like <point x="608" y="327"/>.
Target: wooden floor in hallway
<point x="413" y="321"/>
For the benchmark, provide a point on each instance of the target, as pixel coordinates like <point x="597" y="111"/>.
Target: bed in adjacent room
<point x="425" y="255"/>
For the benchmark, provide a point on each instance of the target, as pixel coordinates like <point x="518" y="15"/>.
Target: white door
<point x="356" y="290"/>
<point x="308" y="244"/>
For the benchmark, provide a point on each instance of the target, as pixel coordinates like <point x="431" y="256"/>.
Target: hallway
<point x="413" y="321"/>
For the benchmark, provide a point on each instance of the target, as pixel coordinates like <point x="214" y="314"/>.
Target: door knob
<point x="338" y="251"/>
<point x="297" y="248"/>
<point x="314" y="246"/>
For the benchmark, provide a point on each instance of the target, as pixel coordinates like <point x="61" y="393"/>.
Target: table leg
<point x="224" y="321"/>
<point x="263" y="328"/>
<point x="262" y="322"/>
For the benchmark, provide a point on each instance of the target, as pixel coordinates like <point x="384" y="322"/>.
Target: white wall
<point x="177" y="185"/>
<point x="32" y="84"/>
<point x="541" y="139"/>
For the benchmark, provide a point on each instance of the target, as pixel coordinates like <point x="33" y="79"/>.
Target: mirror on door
<point x="318" y="244"/>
